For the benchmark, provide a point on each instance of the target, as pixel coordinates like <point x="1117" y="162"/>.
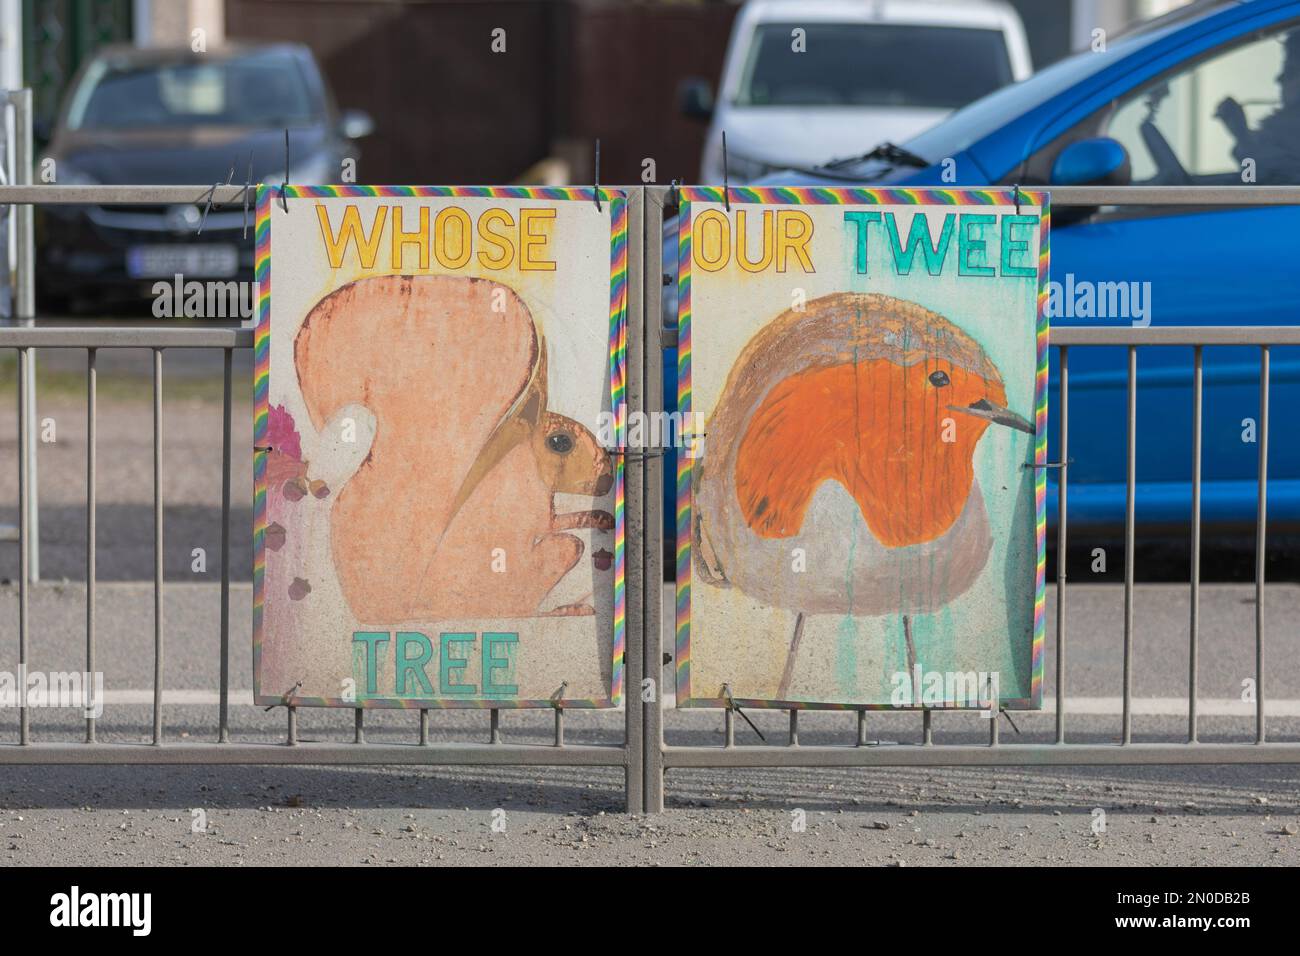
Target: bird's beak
<point x="996" y="414"/>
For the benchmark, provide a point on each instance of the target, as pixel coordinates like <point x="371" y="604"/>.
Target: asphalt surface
<point x="372" y="816"/>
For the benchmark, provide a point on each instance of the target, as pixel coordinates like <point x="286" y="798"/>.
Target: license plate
<point x="149" y="262"/>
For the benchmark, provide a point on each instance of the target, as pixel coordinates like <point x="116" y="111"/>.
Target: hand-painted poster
<point x="860" y="518"/>
<point x="438" y="522"/>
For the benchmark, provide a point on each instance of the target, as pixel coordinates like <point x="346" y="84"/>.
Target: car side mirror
<point x="695" y="97"/>
<point x="1092" y="162"/>
<point x="356" y="124"/>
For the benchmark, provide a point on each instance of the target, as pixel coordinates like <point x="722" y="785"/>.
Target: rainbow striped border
<point x="618" y="303"/>
<point x="785" y="195"/>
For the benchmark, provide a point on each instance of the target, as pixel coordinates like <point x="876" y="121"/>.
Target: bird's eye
<point x="939" y="379"/>
<point x="561" y="443"/>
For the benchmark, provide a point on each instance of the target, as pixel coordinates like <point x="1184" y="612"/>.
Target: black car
<point x="167" y="116"/>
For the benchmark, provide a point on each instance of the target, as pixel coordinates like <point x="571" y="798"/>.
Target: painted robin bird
<point x="839" y="474"/>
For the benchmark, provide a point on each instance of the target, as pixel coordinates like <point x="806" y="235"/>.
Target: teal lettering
<point x="491" y="662"/>
<point x="448" y="663"/>
<point x="968" y="246"/>
<point x="1016" y="247"/>
<point x="370" y="642"/>
<point x="408" y="667"/>
<point x="918" y="237"/>
<point x="861" y="220"/>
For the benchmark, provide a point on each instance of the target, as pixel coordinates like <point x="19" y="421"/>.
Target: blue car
<point x="1208" y="95"/>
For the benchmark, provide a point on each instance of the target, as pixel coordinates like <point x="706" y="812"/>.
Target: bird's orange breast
<point x="882" y="430"/>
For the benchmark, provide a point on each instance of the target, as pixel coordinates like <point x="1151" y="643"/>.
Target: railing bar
<point x="495" y="734"/>
<point x="1193" y="656"/>
<point x="223" y="735"/>
<point x="157" y="549"/>
<point x="24" y="530"/>
<point x="794" y="727"/>
<point x="1175" y="335"/>
<point x="359" y="726"/>
<point x="292" y="734"/>
<point x="107" y="336"/>
<point x="729" y="728"/>
<point x="424" y="726"/>
<point x="230" y="195"/>
<point x="1260" y="522"/>
<point x="171" y="337"/>
<point x="1129" y="513"/>
<point x="927" y="727"/>
<point x="92" y="374"/>
<point x="559" y="725"/>
<point x="1062" y="541"/>
<point x="862" y="727"/>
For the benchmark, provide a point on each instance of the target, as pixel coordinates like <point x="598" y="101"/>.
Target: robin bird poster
<point x="437" y="523"/>
<point x="860" y="520"/>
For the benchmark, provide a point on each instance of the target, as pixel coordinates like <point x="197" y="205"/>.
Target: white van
<point x="809" y="81"/>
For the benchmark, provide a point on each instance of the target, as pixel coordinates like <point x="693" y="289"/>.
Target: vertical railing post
<point x="91" y="423"/>
<point x="1261" y="518"/>
<point x="223" y="731"/>
<point x="653" y="272"/>
<point x="157" y="550"/>
<point x="1129" y="513"/>
<point x="24" y="553"/>
<point x="25" y="311"/>
<point x="1193" y="654"/>
<point x="1062" y="541"/>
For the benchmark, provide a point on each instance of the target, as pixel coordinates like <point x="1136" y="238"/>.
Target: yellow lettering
<point x="794" y="232"/>
<point x="502" y="258"/>
<point x="767" y="232"/>
<point x="419" y="238"/>
<point x="441" y="246"/>
<point x="529" y="237"/>
<point x="350" y="232"/>
<point x="720" y="239"/>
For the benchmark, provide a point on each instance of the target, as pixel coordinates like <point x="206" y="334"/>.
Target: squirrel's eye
<point x="561" y="443"/>
<point x="939" y="379"/>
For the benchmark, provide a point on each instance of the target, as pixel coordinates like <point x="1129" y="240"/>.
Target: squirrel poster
<point x="439" y="518"/>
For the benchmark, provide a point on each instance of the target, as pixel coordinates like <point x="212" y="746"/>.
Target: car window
<point x="262" y="89"/>
<point x="1231" y="117"/>
<point x="985" y="116"/>
<point x="852" y="64"/>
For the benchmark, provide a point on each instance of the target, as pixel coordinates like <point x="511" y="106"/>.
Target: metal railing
<point x="223" y="749"/>
<point x="643" y="753"/>
<point x="857" y="751"/>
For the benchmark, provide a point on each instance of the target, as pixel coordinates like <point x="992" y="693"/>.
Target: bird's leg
<point x="788" y="674"/>
<point x="911" y="655"/>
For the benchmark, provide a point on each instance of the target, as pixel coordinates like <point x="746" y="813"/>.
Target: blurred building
<point x="448" y="105"/>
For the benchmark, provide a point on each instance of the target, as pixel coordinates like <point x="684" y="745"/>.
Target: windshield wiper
<point x="890" y="152"/>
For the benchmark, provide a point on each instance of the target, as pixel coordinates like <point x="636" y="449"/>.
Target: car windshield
<point x="871" y="64"/>
<point x="982" y="117"/>
<point x="255" y="89"/>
